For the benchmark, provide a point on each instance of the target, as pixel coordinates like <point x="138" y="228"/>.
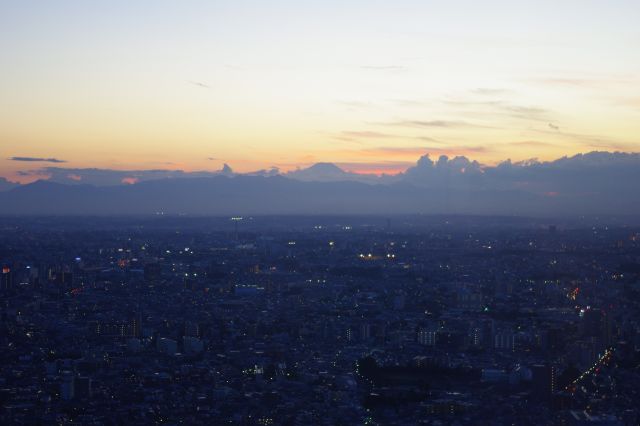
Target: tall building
<point x="505" y="341"/>
<point x="82" y="387"/>
<point x="426" y="337"/>
<point x="67" y="387"/>
<point x="192" y="329"/>
<point x="167" y="346"/>
<point x="365" y="331"/>
<point x="136" y="325"/>
<point x="6" y="280"/>
<point x="192" y="345"/>
<point x="543" y="379"/>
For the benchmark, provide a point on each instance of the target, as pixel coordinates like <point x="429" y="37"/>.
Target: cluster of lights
<point x="604" y="359"/>
<point x="370" y="256"/>
<point x="573" y="294"/>
<point x="583" y="310"/>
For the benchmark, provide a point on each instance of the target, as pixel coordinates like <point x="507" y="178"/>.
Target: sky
<point x="369" y="85"/>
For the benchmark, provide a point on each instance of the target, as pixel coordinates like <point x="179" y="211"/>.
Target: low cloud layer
<point x="595" y="174"/>
<point x="592" y="183"/>
<point x="582" y="175"/>
<point x="37" y="159"/>
<point x="6" y="185"/>
<point x="108" y="177"/>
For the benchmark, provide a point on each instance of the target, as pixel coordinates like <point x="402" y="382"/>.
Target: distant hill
<point x="586" y="184"/>
<point x="222" y="195"/>
<point x="329" y="172"/>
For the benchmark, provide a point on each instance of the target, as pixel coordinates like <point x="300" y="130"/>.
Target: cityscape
<point x="319" y="320"/>
<point x="332" y="213"/>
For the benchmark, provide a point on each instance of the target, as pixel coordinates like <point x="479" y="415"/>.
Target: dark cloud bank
<point x="586" y="184"/>
<point x="37" y="159"/>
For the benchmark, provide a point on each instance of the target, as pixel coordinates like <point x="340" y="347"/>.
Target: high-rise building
<point x="192" y="329"/>
<point x="543" y="379"/>
<point x="82" y="387"/>
<point x="136" y="325"/>
<point x="167" y="346"/>
<point x="365" y="331"/>
<point x="67" y="387"/>
<point x="6" y="280"/>
<point x="192" y="345"/>
<point x="505" y="341"/>
<point x="426" y="337"/>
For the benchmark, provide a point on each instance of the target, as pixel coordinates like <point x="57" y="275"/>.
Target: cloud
<point x="108" y="177"/>
<point x="200" y="84"/>
<point x="429" y="123"/>
<point x="525" y="109"/>
<point x="356" y="136"/>
<point x="590" y="183"/>
<point x="226" y="170"/>
<point x="444" y="173"/>
<point x="597" y="174"/>
<point x="366" y="134"/>
<point x="426" y="139"/>
<point x="526" y="112"/>
<point x="608" y="175"/>
<point x="272" y="171"/>
<point x="530" y="143"/>
<point x="591" y="141"/>
<point x="393" y="151"/>
<point x="379" y="167"/>
<point x="37" y="159"/>
<point x="6" y="184"/>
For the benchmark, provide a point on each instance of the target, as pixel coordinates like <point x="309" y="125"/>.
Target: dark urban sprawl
<point x="319" y="321"/>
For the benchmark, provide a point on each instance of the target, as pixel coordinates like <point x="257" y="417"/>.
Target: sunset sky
<point x="369" y="85"/>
